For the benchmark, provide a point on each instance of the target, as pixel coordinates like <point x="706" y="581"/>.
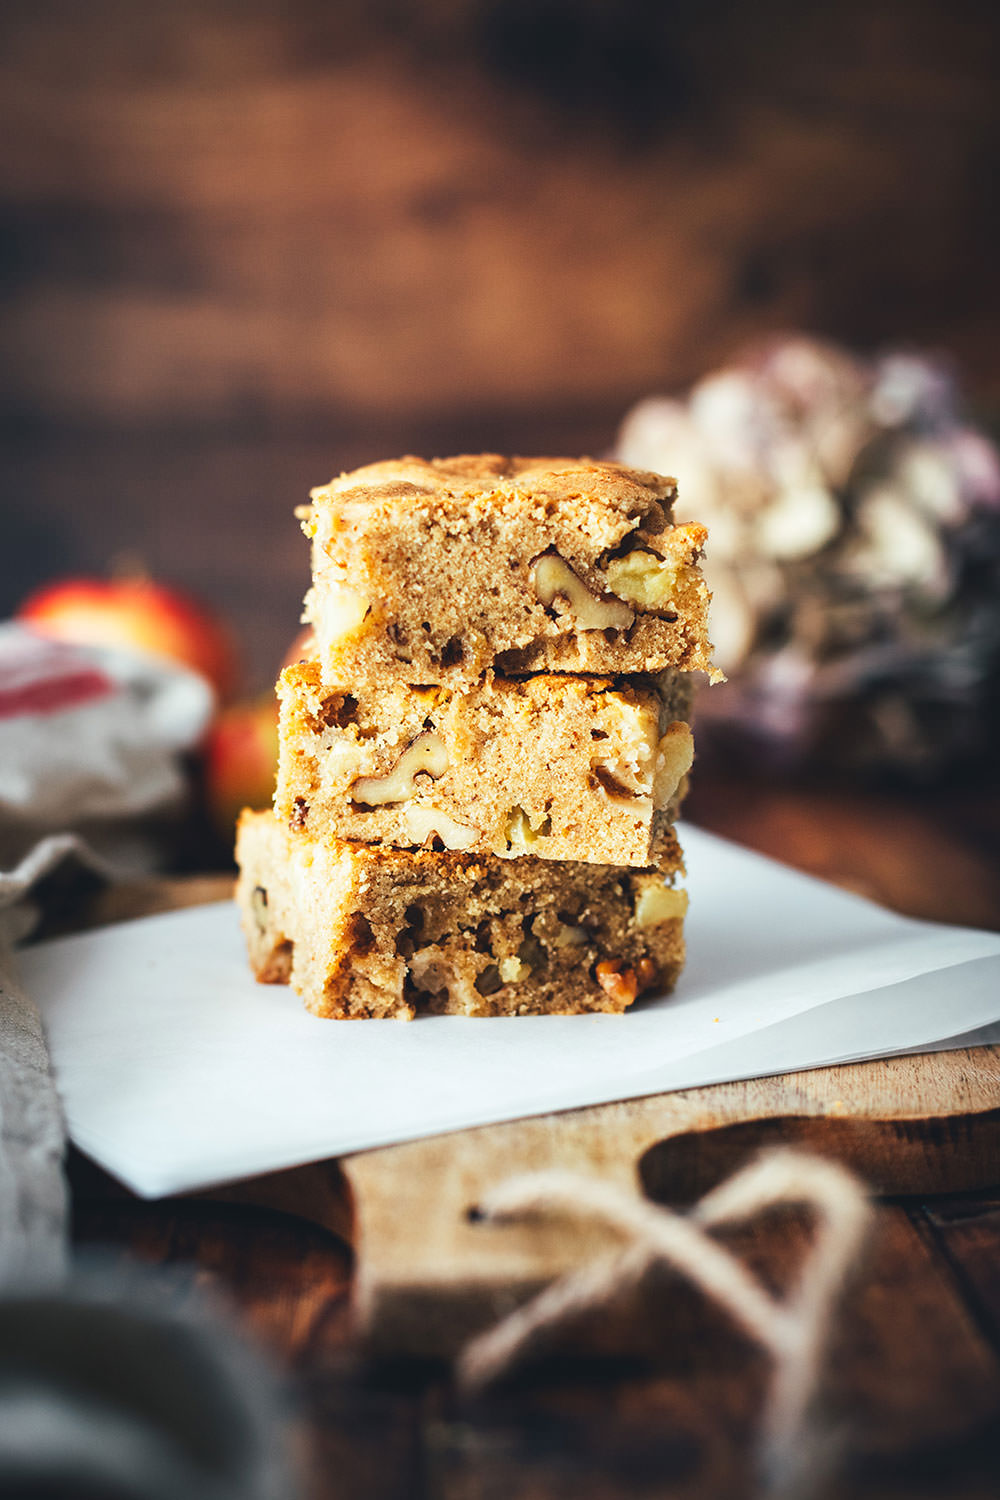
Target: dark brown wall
<point x="248" y="243"/>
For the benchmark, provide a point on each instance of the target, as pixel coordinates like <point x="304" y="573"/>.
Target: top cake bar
<point x="442" y="571"/>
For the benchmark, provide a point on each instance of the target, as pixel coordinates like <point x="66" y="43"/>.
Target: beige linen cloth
<point x="90" y="746"/>
<point x="33" y="1197"/>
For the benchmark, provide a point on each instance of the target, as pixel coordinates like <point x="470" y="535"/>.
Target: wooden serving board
<point x="429" y="1275"/>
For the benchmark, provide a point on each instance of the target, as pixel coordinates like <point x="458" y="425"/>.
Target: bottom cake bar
<point x="361" y="930"/>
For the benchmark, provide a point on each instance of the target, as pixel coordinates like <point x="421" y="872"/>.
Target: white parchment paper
<point x="178" y="1071"/>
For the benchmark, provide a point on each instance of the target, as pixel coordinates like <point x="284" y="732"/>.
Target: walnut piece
<point x="422" y="823"/>
<point x="603" y="777"/>
<point x="553" y="578"/>
<point x="620" y="985"/>
<point x="426" y="754"/>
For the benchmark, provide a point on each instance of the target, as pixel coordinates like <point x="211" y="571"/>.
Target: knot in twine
<point x="793" y="1329"/>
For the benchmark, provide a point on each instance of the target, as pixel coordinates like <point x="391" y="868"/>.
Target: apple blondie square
<point x="441" y="571"/>
<point x="560" y="767"/>
<point x="365" y="931"/>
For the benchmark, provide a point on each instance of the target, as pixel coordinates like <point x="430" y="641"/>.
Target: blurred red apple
<point x="135" y="611"/>
<point x="240" y="755"/>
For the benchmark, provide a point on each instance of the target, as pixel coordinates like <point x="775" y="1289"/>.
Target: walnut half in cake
<point x="364" y="931"/>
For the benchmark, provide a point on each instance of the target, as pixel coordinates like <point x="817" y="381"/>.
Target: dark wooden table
<point x="913" y="1386"/>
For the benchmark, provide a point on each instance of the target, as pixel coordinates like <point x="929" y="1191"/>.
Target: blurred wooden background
<point x="247" y="243"/>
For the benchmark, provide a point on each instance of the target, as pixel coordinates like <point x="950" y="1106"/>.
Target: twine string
<point x="793" y="1329"/>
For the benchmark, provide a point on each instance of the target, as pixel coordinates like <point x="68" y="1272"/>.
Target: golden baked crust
<point x="607" y="491"/>
<point x="364" y="931"/>
<point x="443" y="570"/>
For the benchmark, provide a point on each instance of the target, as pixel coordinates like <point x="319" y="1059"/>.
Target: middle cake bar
<point x="565" y="768"/>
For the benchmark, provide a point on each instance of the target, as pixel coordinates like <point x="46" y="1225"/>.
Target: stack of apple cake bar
<point x="482" y="756"/>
